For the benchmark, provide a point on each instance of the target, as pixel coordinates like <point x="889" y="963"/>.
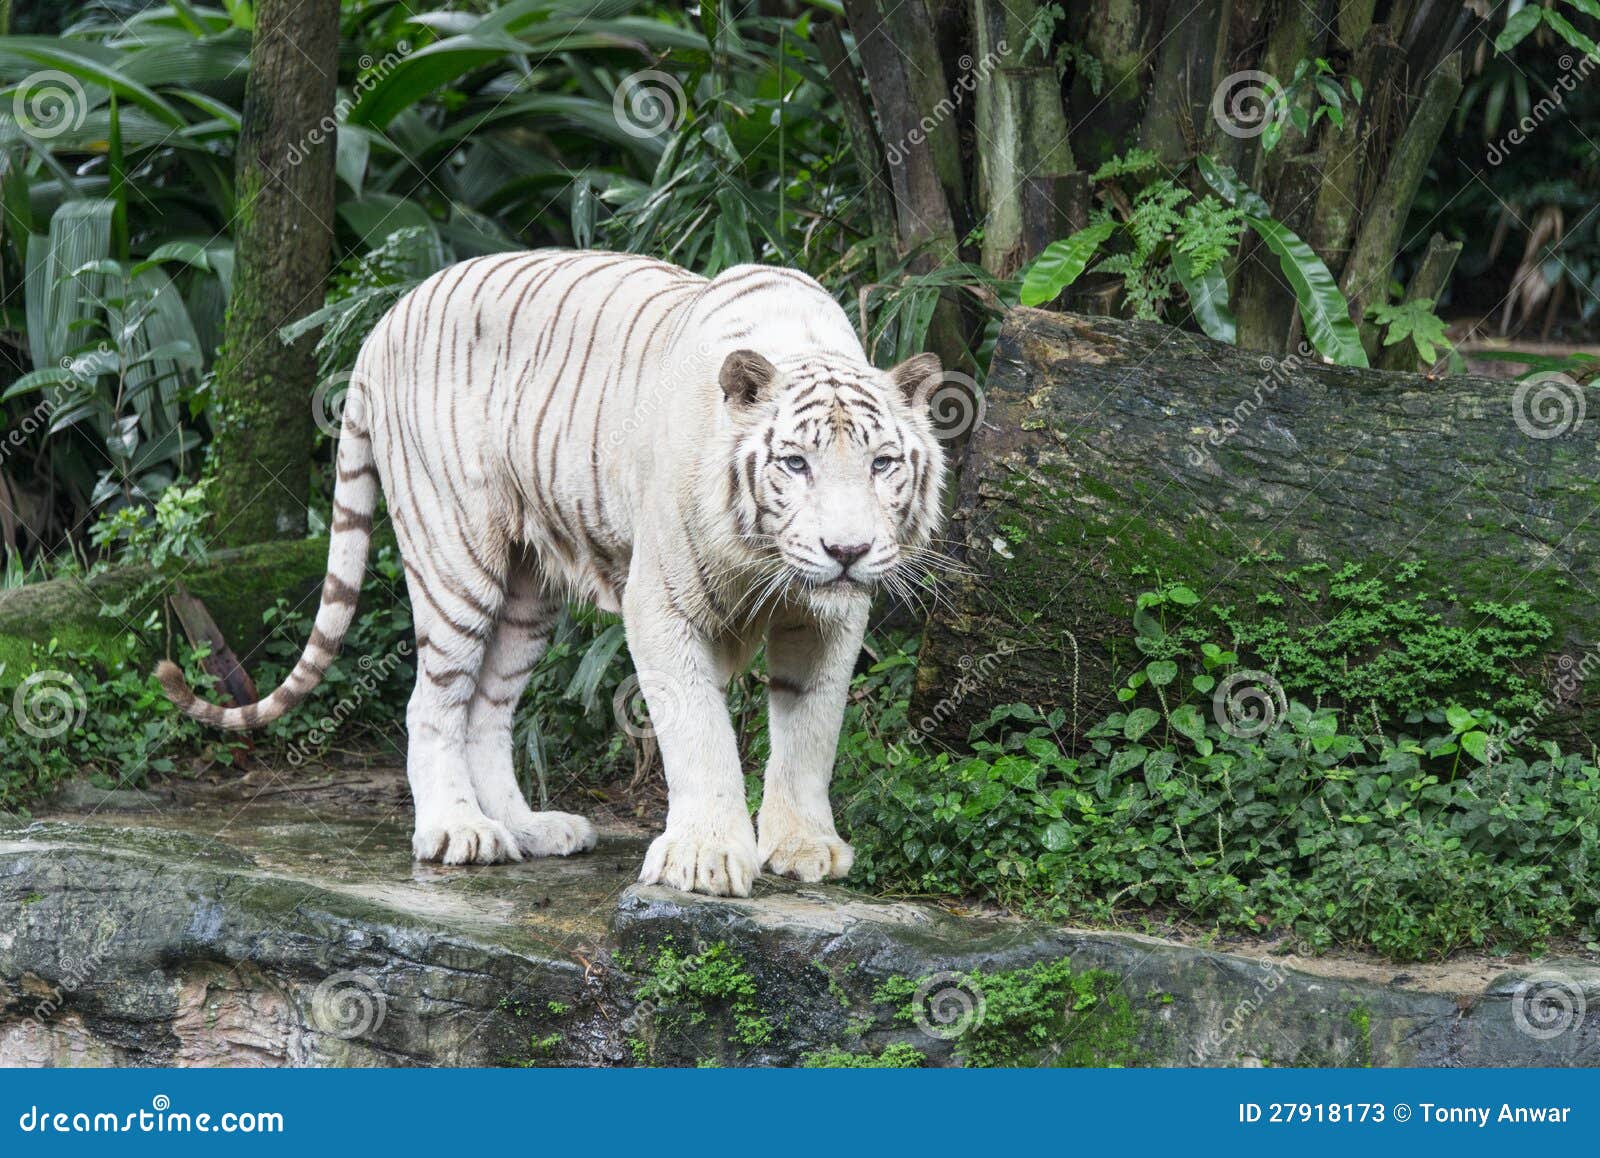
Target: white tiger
<point x="716" y="460"/>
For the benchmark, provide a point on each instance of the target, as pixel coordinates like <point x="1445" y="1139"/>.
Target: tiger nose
<point x="846" y="555"/>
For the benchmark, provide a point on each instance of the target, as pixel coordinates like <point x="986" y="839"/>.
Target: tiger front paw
<point x="806" y="854"/>
<point x="715" y="859"/>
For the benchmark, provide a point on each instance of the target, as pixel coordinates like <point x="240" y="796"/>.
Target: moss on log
<point x="1113" y="455"/>
<point x="236" y="587"/>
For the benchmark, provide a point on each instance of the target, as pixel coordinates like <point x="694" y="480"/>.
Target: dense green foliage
<point x="1390" y="645"/>
<point x="1413" y="835"/>
<point x="697" y="136"/>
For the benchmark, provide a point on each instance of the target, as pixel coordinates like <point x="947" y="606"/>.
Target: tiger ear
<point x="917" y="378"/>
<point x="745" y="375"/>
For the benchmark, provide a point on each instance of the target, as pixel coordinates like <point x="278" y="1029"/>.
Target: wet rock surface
<point x="135" y="932"/>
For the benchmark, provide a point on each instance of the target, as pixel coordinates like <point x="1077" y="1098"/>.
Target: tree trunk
<point x="1117" y="34"/>
<point x="1177" y="113"/>
<point x="284" y="240"/>
<point x="1024" y="133"/>
<point x="1346" y="148"/>
<point x="1114" y="456"/>
<point x="1366" y="276"/>
<point x="864" y="142"/>
<point x="918" y="124"/>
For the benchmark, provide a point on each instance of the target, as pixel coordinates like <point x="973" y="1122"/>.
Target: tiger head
<point x="836" y="472"/>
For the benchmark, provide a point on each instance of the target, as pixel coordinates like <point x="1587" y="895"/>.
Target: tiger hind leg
<point x="454" y="610"/>
<point x="520" y="634"/>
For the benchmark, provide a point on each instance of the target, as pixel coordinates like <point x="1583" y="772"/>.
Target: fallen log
<point x="1112" y="456"/>
<point x="236" y="587"/>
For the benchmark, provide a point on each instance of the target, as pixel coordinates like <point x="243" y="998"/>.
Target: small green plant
<point x="1313" y="93"/>
<point x="1165" y="235"/>
<point x="896" y="1056"/>
<point x="98" y="714"/>
<point x="1044" y="1014"/>
<point x="703" y="997"/>
<point x="172" y="529"/>
<point x="1414" y="320"/>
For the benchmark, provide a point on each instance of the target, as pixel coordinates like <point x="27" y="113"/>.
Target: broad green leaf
<point x="1057" y="836"/>
<point x="1571" y="35"/>
<point x="49" y="52"/>
<point x="1139" y="722"/>
<point x="1162" y="672"/>
<point x="188" y="252"/>
<point x="1323" y="308"/>
<point x="1061" y="263"/>
<point x="1230" y="187"/>
<point x="352" y="147"/>
<point x="1187" y="721"/>
<point x="38" y="380"/>
<point x="1476" y="745"/>
<point x="1127" y="759"/>
<point x="1208" y="298"/>
<point x="1158" y="767"/>
<point x="1524" y="21"/>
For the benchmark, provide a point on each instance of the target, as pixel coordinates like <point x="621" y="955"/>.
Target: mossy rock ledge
<point x="1114" y="455"/>
<point x="134" y="931"/>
